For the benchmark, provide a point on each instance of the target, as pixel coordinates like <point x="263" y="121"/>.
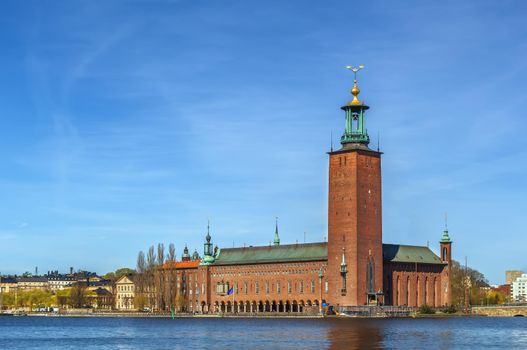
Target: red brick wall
<point x="354" y="223"/>
<point x="415" y="284"/>
<point x="297" y="273"/>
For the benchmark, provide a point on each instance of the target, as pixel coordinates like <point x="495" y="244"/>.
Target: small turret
<point x="208" y="255"/>
<point x="195" y="255"/>
<point x="185" y="256"/>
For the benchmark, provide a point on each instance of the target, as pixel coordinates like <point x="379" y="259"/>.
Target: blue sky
<point x="128" y="123"/>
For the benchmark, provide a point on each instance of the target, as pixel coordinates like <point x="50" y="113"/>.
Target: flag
<point x="230" y="291"/>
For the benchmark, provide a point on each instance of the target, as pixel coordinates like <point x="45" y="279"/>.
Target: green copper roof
<point x="446" y="237"/>
<point x="409" y="254"/>
<point x="273" y="254"/>
<point x="317" y="252"/>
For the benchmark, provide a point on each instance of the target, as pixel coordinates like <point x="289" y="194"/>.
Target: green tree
<point x="478" y="284"/>
<point x="62" y="297"/>
<point x="78" y="296"/>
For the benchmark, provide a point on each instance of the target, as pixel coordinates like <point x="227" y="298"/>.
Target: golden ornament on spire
<point x="355" y="90"/>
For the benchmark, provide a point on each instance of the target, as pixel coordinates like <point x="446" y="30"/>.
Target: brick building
<point x="352" y="268"/>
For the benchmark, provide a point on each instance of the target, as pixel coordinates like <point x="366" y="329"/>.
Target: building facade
<point x="519" y="289"/>
<point x="512" y="275"/>
<point x="125" y="293"/>
<point x="352" y="268"/>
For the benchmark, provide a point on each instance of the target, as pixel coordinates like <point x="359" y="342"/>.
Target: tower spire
<point x="446" y="238"/>
<point x="355" y="131"/>
<point x="276" y="236"/>
<point x="208" y="255"/>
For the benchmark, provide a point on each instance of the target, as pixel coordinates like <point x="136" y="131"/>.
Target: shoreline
<point x="219" y="316"/>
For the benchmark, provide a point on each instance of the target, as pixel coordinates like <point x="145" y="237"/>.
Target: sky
<point x="128" y="123"/>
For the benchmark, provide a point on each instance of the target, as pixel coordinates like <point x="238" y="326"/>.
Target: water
<point x="215" y="333"/>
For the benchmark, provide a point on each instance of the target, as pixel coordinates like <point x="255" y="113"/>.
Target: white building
<point x="125" y="292"/>
<point x="519" y="289"/>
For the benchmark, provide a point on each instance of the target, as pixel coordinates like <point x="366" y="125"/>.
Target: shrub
<point x="426" y="310"/>
<point x="449" y="309"/>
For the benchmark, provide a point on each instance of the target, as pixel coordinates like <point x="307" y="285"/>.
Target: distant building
<point x="510" y="276"/>
<point x="125" y="293"/>
<point x="59" y="282"/>
<point x="7" y="284"/>
<point x="519" y="289"/>
<point x="32" y="283"/>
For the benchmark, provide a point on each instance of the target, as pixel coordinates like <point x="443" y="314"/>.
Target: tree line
<point x="157" y="288"/>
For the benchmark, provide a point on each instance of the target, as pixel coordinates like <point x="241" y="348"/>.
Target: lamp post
<point x="320" y="276"/>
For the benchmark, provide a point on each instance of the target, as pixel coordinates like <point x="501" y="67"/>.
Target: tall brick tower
<point x="446" y="257"/>
<point x="355" y="259"/>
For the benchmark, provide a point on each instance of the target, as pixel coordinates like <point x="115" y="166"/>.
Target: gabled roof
<point x="273" y="254"/>
<point x="409" y="254"/>
<point x="130" y="277"/>
<point x="189" y="264"/>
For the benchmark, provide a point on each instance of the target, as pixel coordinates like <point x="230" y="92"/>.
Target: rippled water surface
<point x="216" y="333"/>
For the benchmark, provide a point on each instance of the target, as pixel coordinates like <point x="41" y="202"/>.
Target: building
<point x="125" y="293"/>
<point x="31" y="283"/>
<point x="519" y="289"/>
<point x="353" y="268"/>
<point x="58" y="281"/>
<point x="7" y="284"/>
<point x="180" y="280"/>
<point x="512" y="275"/>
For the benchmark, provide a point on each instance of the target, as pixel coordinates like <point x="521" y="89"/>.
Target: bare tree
<point x="151" y="258"/>
<point x="159" y="276"/>
<point x="141" y="263"/>
<point x="140" y="279"/>
<point x="160" y="254"/>
<point x="149" y="280"/>
<point x="171" y="256"/>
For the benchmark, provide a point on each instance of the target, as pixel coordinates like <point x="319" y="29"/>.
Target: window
<point x="301" y="286"/>
<point x="312" y="286"/>
<point x="278" y="287"/>
<point x="245" y="289"/>
<point x="289" y="287"/>
<point x="256" y="288"/>
<point x="326" y="287"/>
<point x="370" y="276"/>
<point x="267" y="287"/>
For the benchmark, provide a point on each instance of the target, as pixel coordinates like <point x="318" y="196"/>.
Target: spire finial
<point x="208" y="232"/>
<point x="446" y="237"/>
<point x="276" y="236"/>
<point x="355" y="90"/>
<point x="331" y="140"/>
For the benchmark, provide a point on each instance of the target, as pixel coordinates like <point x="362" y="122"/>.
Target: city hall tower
<point x="355" y="251"/>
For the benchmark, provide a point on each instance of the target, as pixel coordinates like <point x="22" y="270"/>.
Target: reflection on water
<point x="354" y="334"/>
<point x="215" y="333"/>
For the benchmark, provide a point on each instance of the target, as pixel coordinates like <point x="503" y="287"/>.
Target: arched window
<point x="444" y="254"/>
<point x="426" y="290"/>
<point x="370" y="276"/>
<point x="397" y="291"/>
<point x="407" y="301"/>
<point x="417" y="292"/>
